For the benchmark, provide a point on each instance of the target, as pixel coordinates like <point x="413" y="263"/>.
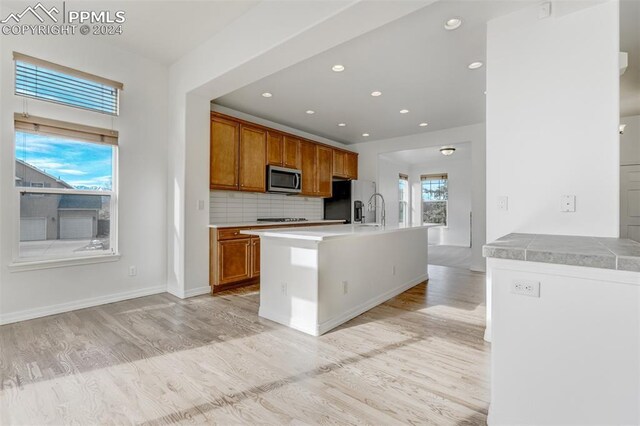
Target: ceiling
<point x="163" y="31"/>
<point x="414" y="62"/>
<point x="429" y="154"/>
<point x="630" y="43"/>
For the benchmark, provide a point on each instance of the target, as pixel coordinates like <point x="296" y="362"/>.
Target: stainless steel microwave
<point x="282" y="179"/>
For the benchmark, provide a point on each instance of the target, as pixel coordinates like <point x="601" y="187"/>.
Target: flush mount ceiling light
<point x="447" y="150"/>
<point x="342" y="124"/>
<point x="423" y="124"/>
<point x="365" y="134"/>
<point x="621" y="129"/>
<point x="310" y="111"/>
<point x="475" y="65"/>
<point x="338" y="68"/>
<point x="404" y="111"/>
<point x="376" y="94"/>
<point x="266" y="95"/>
<point x="452" y="24"/>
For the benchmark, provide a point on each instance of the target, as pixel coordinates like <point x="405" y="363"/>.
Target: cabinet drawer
<point x="231" y="233"/>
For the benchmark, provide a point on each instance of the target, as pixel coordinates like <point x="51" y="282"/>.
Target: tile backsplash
<point x="234" y="206"/>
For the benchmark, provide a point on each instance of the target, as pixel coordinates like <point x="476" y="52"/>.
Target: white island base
<point x="314" y="279"/>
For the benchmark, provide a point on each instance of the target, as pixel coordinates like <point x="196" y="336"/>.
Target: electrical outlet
<point x="503" y="203"/>
<point x="200" y="204"/>
<point x="133" y="271"/>
<point x="284" y="289"/>
<point x="345" y="287"/>
<point x="526" y="288"/>
<point x="568" y="203"/>
<point x="393" y="270"/>
<point x="544" y="10"/>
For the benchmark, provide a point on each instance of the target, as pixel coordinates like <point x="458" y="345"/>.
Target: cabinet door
<point x="309" y="167"/>
<point x="291" y="152"/>
<point x="338" y="163"/>
<point x="255" y="257"/>
<point x="234" y="260"/>
<point x="351" y="166"/>
<point x="275" y="149"/>
<point x="253" y="152"/>
<point x="325" y="170"/>
<point x="224" y="153"/>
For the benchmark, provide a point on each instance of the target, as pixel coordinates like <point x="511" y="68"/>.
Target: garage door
<point x="33" y="228"/>
<point x="75" y="228"/>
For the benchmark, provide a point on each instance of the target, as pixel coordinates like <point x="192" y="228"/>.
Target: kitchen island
<point x="314" y="279"/>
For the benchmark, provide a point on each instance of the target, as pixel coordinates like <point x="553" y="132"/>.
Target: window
<point x="51" y="82"/>
<point x="65" y="178"/>
<point x="435" y="196"/>
<point x="403" y="199"/>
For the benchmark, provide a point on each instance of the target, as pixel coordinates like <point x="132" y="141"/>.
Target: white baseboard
<point x="78" y="304"/>
<point x="319" y="329"/>
<point x="181" y="294"/>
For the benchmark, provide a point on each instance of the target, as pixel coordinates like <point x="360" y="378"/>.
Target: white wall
<point x="475" y="134"/>
<point x="458" y="229"/>
<point x="630" y="141"/>
<point x="269" y="37"/>
<point x="142" y="179"/>
<point x="552" y="120"/>
<point x="387" y="185"/>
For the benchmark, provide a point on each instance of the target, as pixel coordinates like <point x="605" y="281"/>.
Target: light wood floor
<point x="417" y="359"/>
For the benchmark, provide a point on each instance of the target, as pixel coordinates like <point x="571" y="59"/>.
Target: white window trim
<point x="435" y="201"/>
<point x="29" y="264"/>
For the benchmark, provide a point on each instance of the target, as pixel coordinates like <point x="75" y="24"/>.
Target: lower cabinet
<point x="234" y="259"/>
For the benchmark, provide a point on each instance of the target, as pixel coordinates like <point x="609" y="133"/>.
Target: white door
<point x="75" y="228"/>
<point x="630" y="202"/>
<point x="33" y="228"/>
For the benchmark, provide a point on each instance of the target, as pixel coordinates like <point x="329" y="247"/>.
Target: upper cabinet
<point x="253" y="151"/>
<point x="225" y="140"/>
<point x="241" y="151"/>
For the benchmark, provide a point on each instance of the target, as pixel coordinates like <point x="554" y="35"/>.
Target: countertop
<point x="251" y="224"/>
<point x="593" y="252"/>
<point x="332" y="231"/>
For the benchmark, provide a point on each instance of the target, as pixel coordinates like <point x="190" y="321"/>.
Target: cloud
<point x="72" y="172"/>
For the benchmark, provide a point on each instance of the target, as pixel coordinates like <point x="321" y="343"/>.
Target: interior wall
<point x="630" y="141"/>
<point x="552" y="120"/>
<point x="458" y="229"/>
<point x="387" y="185"/>
<point x="475" y="134"/>
<point x="142" y="189"/>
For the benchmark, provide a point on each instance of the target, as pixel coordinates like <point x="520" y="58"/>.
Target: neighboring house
<point x="54" y="216"/>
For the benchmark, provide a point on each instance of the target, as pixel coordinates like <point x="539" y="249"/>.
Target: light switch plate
<point x="568" y="203"/>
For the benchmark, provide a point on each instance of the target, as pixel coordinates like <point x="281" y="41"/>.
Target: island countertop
<point x="594" y="252"/>
<point x="265" y="224"/>
<point x="333" y="231"/>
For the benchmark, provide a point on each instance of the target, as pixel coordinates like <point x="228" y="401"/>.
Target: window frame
<point x="32" y="263"/>
<point x="404" y="178"/>
<point x="433" y="177"/>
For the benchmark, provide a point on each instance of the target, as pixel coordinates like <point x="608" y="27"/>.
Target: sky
<point x="83" y="165"/>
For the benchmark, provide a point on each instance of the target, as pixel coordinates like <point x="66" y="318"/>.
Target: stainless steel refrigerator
<point x="350" y="202"/>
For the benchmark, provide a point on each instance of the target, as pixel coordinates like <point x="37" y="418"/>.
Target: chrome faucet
<point x="383" y="209"/>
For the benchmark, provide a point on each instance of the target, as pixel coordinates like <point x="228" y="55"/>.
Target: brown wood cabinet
<point x="351" y="166"/>
<point x="234" y="259"/>
<point x="339" y="163"/>
<point x="275" y="148"/>
<point x="291" y="152"/>
<point x="224" y="153"/>
<point x="325" y="171"/>
<point x="253" y="151"/>
<point x="309" y="167"/>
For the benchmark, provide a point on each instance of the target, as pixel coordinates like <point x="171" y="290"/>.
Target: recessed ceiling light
<point x="475" y="65"/>
<point x="266" y="95"/>
<point x="342" y="124"/>
<point x="376" y="94"/>
<point x="338" y="68"/>
<point x="310" y="111"/>
<point x="452" y="24"/>
<point x="423" y="124"/>
<point x="404" y="111"/>
<point x="365" y="134"/>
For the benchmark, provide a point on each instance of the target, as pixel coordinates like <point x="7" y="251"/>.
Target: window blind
<point x="39" y="79"/>
<point x="47" y="126"/>
<point x="439" y="176"/>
